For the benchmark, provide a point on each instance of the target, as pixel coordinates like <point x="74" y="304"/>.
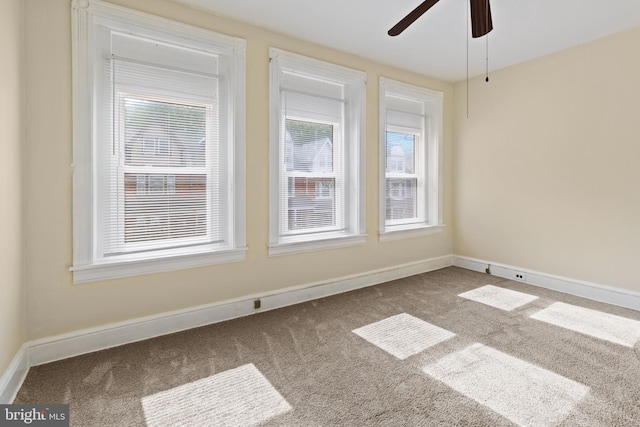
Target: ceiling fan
<point x="481" y="22"/>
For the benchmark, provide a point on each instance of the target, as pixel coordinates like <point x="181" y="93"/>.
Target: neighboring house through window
<point x="410" y="159"/>
<point x="317" y="154"/>
<point x="159" y="106"/>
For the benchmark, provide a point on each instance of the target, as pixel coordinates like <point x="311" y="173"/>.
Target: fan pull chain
<point x="486" y="79"/>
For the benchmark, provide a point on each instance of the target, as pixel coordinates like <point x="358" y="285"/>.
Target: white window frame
<point x="428" y="158"/>
<point x="123" y="169"/>
<point x="351" y="231"/>
<point x="287" y="175"/>
<point x="418" y="175"/>
<point x="88" y="264"/>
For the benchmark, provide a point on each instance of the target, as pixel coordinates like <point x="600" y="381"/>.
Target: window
<point x="158" y="144"/>
<point x="324" y="189"/>
<point x="410" y="159"/>
<point x="317" y="154"/>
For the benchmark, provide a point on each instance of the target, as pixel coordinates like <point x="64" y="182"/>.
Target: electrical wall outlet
<point x="519" y="276"/>
<point x="257" y="304"/>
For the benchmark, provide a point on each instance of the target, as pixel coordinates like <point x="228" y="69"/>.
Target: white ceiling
<point x="436" y="43"/>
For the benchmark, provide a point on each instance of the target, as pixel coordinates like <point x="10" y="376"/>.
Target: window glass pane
<point x="311" y="203"/>
<point x="172" y="207"/>
<point x="141" y="184"/>
<point x="401" y="155"/>
<point x="324" y="188"/>
<point x="163" y="134"/>
<point x="309" y="156"/>
<point x="401" y="198"/>
<point x="148" y="146"/>
<point x="156" y="184"/>
<point x="309" y="146"/>
<point x="171" y="184"/>
<point x="163" y="147"/>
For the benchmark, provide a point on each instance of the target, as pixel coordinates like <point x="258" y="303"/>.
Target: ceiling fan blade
<point x="481" y="22"/>
<point x="411" y="17"/>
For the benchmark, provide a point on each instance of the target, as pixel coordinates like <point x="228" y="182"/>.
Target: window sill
<point x="406" y="232"/>
<point x="133" y="267"/>
<point x="332" y="242"/>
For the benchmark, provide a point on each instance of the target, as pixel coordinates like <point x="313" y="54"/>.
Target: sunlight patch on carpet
<point x="604" y="326"/>
<point x="494" y="296"/>
<point x="403" y="335"/>
<point x="519" y="391"/>
<point x="241" y="396"/>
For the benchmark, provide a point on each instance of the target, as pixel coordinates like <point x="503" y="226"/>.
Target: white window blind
<point x="165" y="175"/>
<point x="312" y="188"/>
<point x="317" y="147"/>
<point x="165" y="135"/>
<point x="410" y="129"/>
<point x="405" y="163"/>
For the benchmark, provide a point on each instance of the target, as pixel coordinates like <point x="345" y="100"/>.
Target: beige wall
<point x="547" y="165"/>
<point x="56" y="306"/>
<point x="12" y="308"/>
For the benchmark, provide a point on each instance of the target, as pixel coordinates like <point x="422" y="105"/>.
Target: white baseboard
<point x="592" y="291"/>
<point x="89" y="340"/>
<point x="12" y="379"/>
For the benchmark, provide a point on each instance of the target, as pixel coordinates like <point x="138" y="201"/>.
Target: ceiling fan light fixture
<point x="481" y="22"/>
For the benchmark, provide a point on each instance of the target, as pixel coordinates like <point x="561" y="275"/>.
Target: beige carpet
<point x="440" y="348"/>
